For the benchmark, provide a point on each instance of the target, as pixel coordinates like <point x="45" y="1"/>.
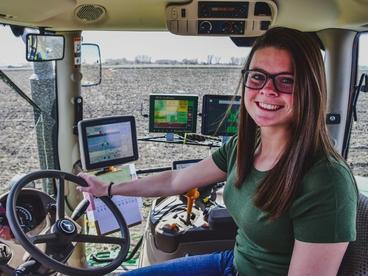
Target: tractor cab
<point x="123" y="89"/>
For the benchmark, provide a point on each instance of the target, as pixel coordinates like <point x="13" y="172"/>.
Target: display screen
<point x="223" y="9"/>
<point x="220" y="9"/>
<point x="220" y="115"/>
<point x="173" y="113"/>
<point x="107" y="141"/>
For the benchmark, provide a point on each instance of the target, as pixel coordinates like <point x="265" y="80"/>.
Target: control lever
<point x="26" y="268"/>
<point x="5" y="254"/>
<point x="80" y="209"/>
<point x="192" y="195"/>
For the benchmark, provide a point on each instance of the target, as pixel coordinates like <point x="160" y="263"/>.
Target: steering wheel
<point x="64" y="232"/>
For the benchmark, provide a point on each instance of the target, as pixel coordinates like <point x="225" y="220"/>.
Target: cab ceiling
<point x="65" y="15"/>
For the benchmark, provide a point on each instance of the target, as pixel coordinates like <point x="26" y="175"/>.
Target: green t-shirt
<point x="323" y="212"/>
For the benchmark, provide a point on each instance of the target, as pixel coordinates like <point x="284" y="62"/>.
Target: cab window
<point x="27" y="112"/>
<point x="358" y="149"/>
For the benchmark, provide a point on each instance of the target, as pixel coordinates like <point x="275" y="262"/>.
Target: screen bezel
<point x="154" y="97"/>
<point x="181" y="162"/>
<point x="205" y="105"/>
<point x="83" y="143"/>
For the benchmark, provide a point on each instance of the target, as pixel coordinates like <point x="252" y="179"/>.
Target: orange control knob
<point x="191" y="195"/>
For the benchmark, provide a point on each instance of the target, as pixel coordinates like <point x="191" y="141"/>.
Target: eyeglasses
<point x="257" y="79"/>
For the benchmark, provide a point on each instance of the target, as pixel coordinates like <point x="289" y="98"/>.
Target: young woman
<point x="292" y="196"/>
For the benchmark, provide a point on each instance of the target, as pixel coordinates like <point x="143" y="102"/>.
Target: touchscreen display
<point x="107" y="141"/>
<point x="173" y="113"/>
<point x="220" y="115"/>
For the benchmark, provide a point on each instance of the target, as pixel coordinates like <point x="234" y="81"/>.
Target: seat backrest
<point x="355" y="261"/>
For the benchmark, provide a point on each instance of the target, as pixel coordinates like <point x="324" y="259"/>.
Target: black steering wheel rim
<point x="40" y="256"/>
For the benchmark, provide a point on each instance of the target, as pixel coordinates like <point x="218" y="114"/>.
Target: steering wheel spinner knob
<point x="66" y="226"/>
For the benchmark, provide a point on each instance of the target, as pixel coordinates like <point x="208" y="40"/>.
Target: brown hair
<point x="309" y="139"/>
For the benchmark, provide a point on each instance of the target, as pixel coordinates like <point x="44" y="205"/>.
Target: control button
<point x="233" y="27"/>
<point x="243" y="11"/>
<point x="238" y="27"/>
<point x="182" y="26"/>
<point x="183" y="13"/>
<point x="174" y="13"/>
<point x="262" y="9"/>
<point x="173" y="26"/>
<point x="205" y="27"/>
<point x="333" y="119"/>
<point x="227" y="28"/>
<point x="203" y="11"/>
<point x="265" y="25"/>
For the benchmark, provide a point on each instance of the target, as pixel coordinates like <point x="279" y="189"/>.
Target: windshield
<point x="160" y="63"/>
<point x="180" y="65"/>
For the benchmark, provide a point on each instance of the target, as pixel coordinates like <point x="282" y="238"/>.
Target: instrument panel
<point x="30" y="210"/>
<point x="248" y="18"/>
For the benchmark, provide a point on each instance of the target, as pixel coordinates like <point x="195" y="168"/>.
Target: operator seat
<point x="355" y="261"/>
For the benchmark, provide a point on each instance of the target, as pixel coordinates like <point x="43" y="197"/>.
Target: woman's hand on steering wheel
<point x="95" y="186"/>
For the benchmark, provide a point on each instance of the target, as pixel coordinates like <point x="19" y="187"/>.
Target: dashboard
<point x="31" y="208"/>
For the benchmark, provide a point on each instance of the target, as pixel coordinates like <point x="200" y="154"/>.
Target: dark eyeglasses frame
<point x="268" y="76"/>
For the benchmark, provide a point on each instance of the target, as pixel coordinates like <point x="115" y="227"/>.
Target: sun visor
<point x="35" y="10"/>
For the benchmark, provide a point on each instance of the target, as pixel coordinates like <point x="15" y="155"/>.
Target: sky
<point x="157" y="45"/>
<point x="163" y="45"/>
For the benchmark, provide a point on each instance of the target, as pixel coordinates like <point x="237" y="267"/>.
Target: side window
<point x="26" y="142"/>
<point x="358" y="150"/>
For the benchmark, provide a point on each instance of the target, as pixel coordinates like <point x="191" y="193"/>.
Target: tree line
<point x="144" y="59"/>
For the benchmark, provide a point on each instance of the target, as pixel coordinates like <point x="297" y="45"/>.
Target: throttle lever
<point x="80" y="209"/>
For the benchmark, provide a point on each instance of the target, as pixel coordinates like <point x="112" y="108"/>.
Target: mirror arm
<point x="41" y="30"/>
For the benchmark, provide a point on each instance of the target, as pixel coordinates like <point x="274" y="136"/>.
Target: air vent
<point x="90" y="13"/>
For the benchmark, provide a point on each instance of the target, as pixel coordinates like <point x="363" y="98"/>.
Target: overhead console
<point x="221" y="18"/>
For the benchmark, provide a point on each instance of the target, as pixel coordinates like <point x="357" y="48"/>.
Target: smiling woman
<point x="275" y="170"/>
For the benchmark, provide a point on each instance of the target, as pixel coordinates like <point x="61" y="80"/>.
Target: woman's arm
<point x="316" y="258"/>
<point x="165" y="183"/>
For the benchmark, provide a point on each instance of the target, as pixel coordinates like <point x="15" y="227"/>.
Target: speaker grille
<point x="90" y="13"/>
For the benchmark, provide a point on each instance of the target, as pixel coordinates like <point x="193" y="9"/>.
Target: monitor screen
<point x="107" y="141"/>
<point x="173" y="113"/>
<point x="220" y="115"/>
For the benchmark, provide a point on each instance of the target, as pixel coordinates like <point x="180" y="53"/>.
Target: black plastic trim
<point x="353" y="79"/>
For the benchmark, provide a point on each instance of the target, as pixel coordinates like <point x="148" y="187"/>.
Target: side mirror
<point x="91" y="65"/>
<point x="44" y="47"/>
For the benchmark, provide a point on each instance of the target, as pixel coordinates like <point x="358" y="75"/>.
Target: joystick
<point x="191" y="195"/>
